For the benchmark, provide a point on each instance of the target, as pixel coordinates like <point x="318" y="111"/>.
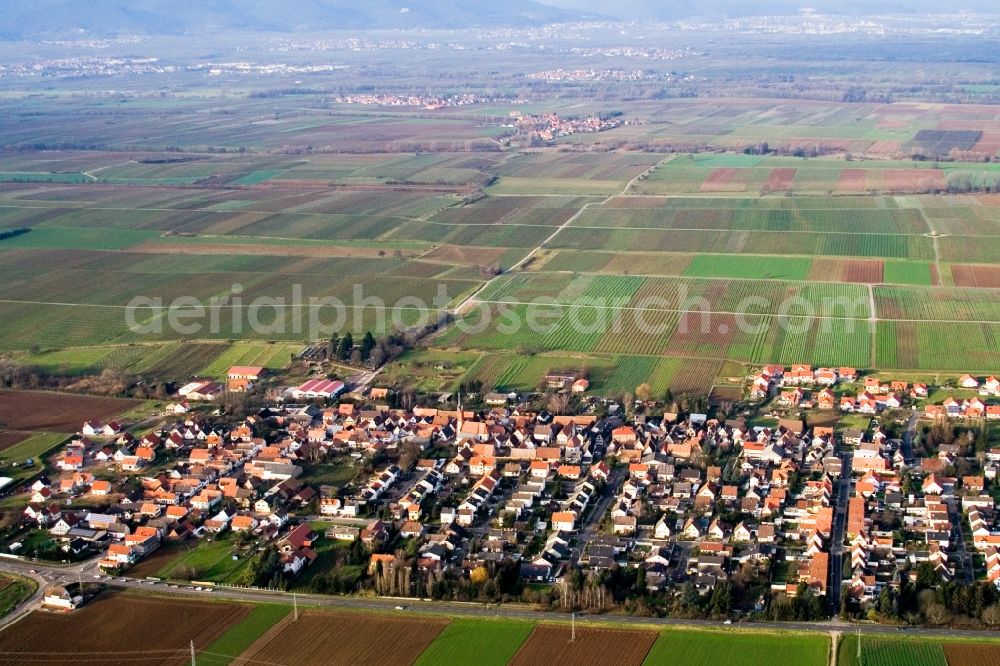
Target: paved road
<point x="457" y="609"/>
<point x="842" y="493"/>
<point x="908" y="436"/>
<point x="957" y="537"/>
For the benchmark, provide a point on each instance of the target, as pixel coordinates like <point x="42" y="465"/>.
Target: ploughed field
<point x="57" y="412"/>
<point x="117" y="626"/>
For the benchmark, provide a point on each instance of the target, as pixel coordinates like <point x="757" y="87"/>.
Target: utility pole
<point x="295" y="606"/>
<point x="859" y="645"/>
<point x="193" y="662"/>
<point x="573" y="628"/>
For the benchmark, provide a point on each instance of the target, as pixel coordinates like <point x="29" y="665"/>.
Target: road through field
<point x="445" y="608"/>
<point x="472" y="298"/>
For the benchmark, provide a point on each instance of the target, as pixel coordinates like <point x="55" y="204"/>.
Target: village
<point x="771" y="506"/>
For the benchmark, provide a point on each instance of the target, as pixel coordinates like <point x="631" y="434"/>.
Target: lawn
<point x="695" y="648"/>
<point x="209" y="560"/>
<point x="481" y="642"/>
<point x="240" y="636"/>
<point x="14" y="590"/>
<point x="336" y="473"/>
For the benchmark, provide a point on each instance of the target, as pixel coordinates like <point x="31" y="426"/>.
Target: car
<point x="34" y="571"/>
<point x="400" y="607"/>
<point x="728" y="622"/>
<point x="199" y="588"/>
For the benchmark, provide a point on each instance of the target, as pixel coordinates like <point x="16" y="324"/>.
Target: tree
<point x="332" y="346"/>
<point x="991" y="615"/>
<point x="479" y="575"/>
<point x="643" y="392"/>
<point x="346" y="345"/>
<point x="367" y="345"/>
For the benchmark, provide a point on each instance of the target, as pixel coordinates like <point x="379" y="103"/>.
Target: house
<point x="100" y="488"/>
<point x="965" y="381"/>
<point x="201" y="390"/>
<point x="295" y="561"/>
<point x="300" y="537"/>
<point x="243" y="523"/>
<point x="624" y="525"/>
<point x="71" y="463"/>
<point x="242" y="377"/>
<point x="62" y="597"/>
<point x="563" y="521"/>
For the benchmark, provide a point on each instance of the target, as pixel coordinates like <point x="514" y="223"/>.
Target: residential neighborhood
<point x="819" y="492"/>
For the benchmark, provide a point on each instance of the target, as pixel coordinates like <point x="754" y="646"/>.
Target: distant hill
<point x="105" y="18"/>
<point x="671" y="10"/>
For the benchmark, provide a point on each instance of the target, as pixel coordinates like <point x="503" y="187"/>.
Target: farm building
<point x="317" y="388"/>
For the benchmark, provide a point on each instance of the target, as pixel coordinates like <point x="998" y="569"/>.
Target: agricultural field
<point x="159" y="628"/>
<point x="9" y="438"/>
<point x="322" y="638"/>
<point x="244" y="633"/>
<point x="550" y="643"/>
<point x="747" y="174"/>
<point x="481" y="642"/>
<point x="57" y="412"/>
<point x="698" y="648"/>
<point x="646" y="223"/>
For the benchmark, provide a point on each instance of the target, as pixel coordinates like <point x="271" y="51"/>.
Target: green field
<point x="770" y="268"/>
<point x="33" y="448"/>
<point x="908" y="272"/>
<point x="239" y="637"/>
<point x="482" y="642"/>
<point x="890" y="652"/>
<point x="697" y="648"/>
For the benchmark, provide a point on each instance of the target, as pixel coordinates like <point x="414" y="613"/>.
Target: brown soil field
<point x="884" y="147"/>
<point x="57" y="412"/>
<point x="968" y="275"/>
<point x="958" y="654"/>
<point x="935" y="276"/>
<point x="914" y="180"/>
<point x="343" y="638"/>
<point x="852" y="180"/>
<point x="113" y="625"/>
<point x="155" y="247"/>
<point x="988" y="144"/>
<point x="9" y="438"/>
<point x="148" y="566"/>
<point x="866" y="271"/>
<point x="720" y="180"/>
<point x="862" y="271"/>
<point x="550" y="644"/>
<point x="780" y="180"/>
<point x="469" y="256"/>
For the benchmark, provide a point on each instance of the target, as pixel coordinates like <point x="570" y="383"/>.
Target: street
<point x="415" y="606"/>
